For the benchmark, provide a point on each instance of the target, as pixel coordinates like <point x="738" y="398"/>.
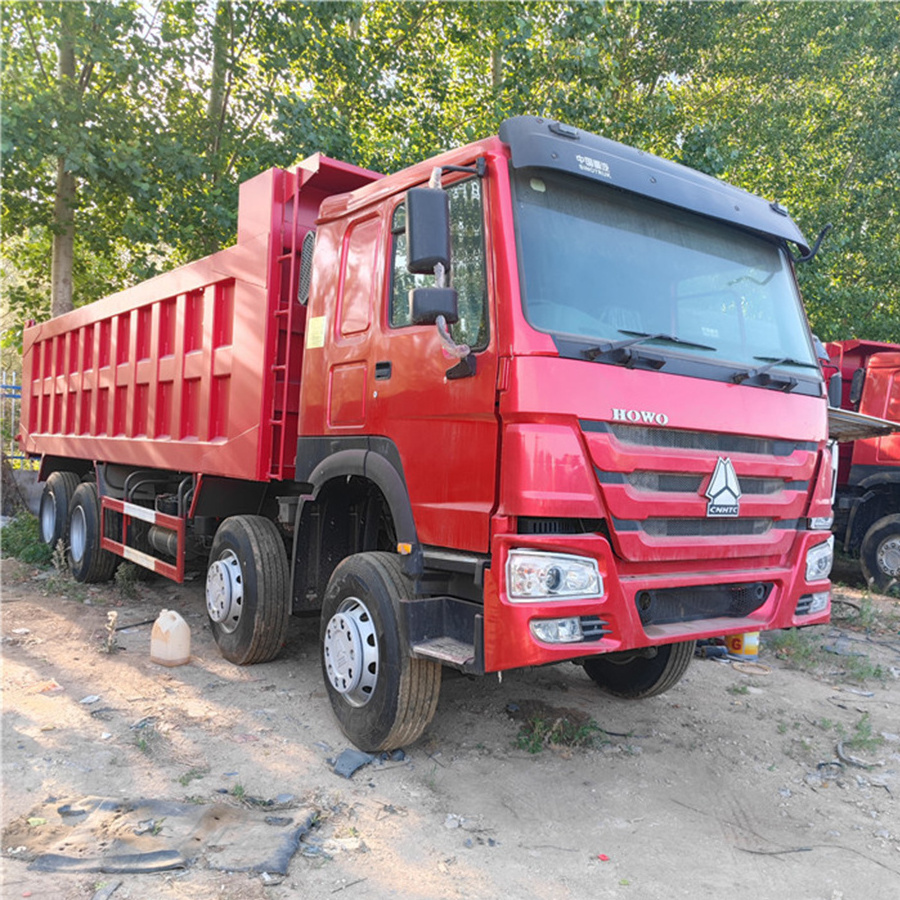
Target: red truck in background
<point x="542" y="398"/>
<point x="867" y="501"/>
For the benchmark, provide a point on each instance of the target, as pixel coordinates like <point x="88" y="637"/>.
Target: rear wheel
<point x="383" y="699"/>
<point x="880" y="554"/>
<point x="247" y="595"/>
<point x="89" y="562"/>
<point x="635" y="677"/>
<point x="55" y="503"/>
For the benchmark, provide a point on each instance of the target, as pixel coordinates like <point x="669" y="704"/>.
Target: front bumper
<point x="637" y="610"/>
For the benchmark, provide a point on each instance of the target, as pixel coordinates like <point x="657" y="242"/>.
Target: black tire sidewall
<point x="59" y="489"/>
<point x="252" y="539"/>
<point x="235" y="644"/>
<point x="880" y="531"/>
<point x="96" y="564"/>
<point x="634" y="679"/>
<point x="367" y="726"/>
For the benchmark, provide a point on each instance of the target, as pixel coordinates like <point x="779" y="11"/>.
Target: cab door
<point x="444" y="426"/>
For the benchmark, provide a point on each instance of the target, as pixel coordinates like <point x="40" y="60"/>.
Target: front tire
<point x="89" y="562"/>
<point x="247" y="595"/>
<point x="637" y="677"/>
<point x="56" y="501"/>
<point x="383" y="698"/>
<point x="880" y="554"/>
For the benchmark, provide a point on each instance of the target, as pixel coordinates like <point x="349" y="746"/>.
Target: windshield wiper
<point x="619" y="352"/>
<point x="772" y="362"/>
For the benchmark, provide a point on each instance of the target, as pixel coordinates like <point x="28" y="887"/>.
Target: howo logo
<point x="640" y="416"/>
<point x="723" y="491"/>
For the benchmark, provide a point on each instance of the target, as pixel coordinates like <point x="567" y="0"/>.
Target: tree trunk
<point x="62" y="257"/>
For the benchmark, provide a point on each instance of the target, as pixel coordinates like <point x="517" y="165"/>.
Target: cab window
<point x="467" y="272"/>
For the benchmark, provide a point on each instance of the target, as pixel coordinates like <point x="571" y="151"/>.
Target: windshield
<point x="602" y="265"/>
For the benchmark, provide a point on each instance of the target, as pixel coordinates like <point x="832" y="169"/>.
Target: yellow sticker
<point x="315" y="332"/>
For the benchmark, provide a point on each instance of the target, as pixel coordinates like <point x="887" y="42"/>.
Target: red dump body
<point x="878" y="365"/>
<point x="176" y="373"/>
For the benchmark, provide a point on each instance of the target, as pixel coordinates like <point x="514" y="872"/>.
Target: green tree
<point x="73" y="151"/>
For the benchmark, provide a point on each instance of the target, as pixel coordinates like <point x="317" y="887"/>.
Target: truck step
<point x="445" y="650"/>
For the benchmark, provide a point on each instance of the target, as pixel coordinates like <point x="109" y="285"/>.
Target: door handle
<point x="383" y="370"/>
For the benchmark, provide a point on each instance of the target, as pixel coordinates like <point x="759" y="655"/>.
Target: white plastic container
<point x="170" y="640"/>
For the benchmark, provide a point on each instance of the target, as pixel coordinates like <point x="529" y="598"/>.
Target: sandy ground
<point x="732" y="784"/>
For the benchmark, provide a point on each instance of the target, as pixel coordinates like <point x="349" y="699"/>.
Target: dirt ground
<point x="777" y="782"/>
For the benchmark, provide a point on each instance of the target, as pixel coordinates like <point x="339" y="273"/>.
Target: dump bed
<point x="198" y="369"/>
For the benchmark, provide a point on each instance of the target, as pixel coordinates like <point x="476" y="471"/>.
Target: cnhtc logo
<point x="723" y="491"/>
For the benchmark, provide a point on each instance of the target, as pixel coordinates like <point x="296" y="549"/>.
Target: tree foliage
<point x="174" y="103"/>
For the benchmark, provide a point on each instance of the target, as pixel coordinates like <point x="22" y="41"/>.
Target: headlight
<point x="819" y="560"/>
<point x="534" y="575"/>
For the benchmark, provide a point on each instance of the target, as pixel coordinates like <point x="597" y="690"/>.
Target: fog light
<point x="819" y="602"/>
<point x="819" y="560"/>
<point x="557" y="631"/>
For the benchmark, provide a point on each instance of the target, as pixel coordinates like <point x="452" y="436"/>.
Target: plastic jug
<point x="170" y="640"/>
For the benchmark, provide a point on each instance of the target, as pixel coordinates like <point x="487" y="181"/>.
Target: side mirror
<point x="856" y="387"/>
<point x="835" y="390"/>
<point x="427" y="303"/>
<point x="427" y="230"/>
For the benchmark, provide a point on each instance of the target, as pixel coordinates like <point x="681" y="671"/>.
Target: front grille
<point x="677" y="439"/>
<point x="593" y="628"/>
<point x="705" y="527"/>
<point x="687" y="604"/>
<point x="674" y="483"/>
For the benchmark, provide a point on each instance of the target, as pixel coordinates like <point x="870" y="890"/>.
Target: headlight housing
<point x="819" y="560"/>
<point x="536" y="575"/>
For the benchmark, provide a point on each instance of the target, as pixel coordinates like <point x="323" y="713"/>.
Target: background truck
<point x="867" y="502"/>
<point x="542" y="398"/>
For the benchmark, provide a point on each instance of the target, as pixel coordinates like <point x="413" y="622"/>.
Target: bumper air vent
<point x="533" y="525"/>
<point x="688" y="604"/>
<point x="594" y="628"/>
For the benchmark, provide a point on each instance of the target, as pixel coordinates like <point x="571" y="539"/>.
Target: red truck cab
<point x="599" y="438"/>
<point x="867" y="504"/>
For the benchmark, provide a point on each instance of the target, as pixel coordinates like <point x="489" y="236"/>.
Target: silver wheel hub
<point x="888" y="556"/>
<point x="77" y="534"/>
<point x="225" y="591"/>
<point x="351" y="652"/>
<point x="48" y="516"/>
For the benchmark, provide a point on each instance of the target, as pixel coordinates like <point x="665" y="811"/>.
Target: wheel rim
<point x="225" y="591"/>
<point x="351" y="652"/>
<point x="888" y="556"/>
<point x="78" y="534"/>
<point x="48" y="517"/>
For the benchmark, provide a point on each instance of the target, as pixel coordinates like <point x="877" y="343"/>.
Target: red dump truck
<point x="867" y="504"/>
<point x="542" y="398"/>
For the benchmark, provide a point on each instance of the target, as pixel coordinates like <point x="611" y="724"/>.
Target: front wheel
<point x="880" y="554"/>
<point x="383" y="699"/>
<point x="635" y="677"/>
<point x="247" y="595"/>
